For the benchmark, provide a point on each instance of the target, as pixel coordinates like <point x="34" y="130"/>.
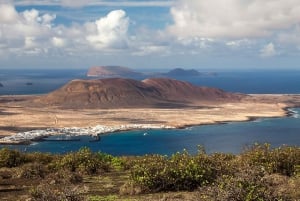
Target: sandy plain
<point x="16" y="117"/>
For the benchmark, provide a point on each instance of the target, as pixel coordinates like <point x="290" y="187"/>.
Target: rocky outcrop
<point x="120" y="93"/>
<point x="1" y="85"/>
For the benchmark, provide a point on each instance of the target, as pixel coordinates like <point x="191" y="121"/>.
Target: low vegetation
<point x="258" y="173"/>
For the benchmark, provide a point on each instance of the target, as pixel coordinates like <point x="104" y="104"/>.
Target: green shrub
<point x="130" y="188"/>
<point x="108" y="161"/>
<point x="6" y="173"/>
<point x="11" y="158"/>
<point x="149" y="171"/>
<point x="102" y="198"/>
<point x="65" y="177"/>
<point x="286" y="160"/>
<point x="250" y="184"/>
<point x="61" y="185"/>
<point x="283" y="160"/>
<point x="222" y="164"/>
<point x="259" y="173"/>
<point x="181" y="171"/>
<point x="38" y="157"/>
<point x="46" y="192"/>
<point x="84" y="161"/>
<point x="33" y="171"/>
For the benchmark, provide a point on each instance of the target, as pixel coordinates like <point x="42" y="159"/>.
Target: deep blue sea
<point x="43" y="81"/>
<point x="230" y="138"/>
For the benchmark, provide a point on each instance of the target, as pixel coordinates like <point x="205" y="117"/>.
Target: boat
<point x="97" y="138"/>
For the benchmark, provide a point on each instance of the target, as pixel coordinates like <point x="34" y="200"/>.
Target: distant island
<point x="112" y="71"/>
<point x="182" y="72"/>
<point x="125" y="72"/>
<point x="1" y="85"/>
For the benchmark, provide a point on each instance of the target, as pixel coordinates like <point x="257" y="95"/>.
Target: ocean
<point x="230" y="138"/>
<point x="22" y="82"/>
<point x="253" y="82"/>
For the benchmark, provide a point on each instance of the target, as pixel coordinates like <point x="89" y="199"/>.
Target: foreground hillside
<point x="259" y="173"/>
<point x="120" y="93"/>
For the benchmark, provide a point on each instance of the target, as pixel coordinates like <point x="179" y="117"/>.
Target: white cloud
<point x="29" y="42"/>
<point x="58" y="42"/>
<point x="151" y="49"/>
<point x="240" y="44"/>
<point x="31" y="33"/>
<point x="81" y="3"/>
<point x="268" y="50"/>
<point x="234" y="19"/>
<point x="204" y="28"/>
<point x="196" y="42"/>
<point x="29" y="23"/>
<point x="8" y="14"/>
<point x="109" y="31"/>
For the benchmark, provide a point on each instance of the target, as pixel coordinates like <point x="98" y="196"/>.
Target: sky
<point x="153" y="34"/>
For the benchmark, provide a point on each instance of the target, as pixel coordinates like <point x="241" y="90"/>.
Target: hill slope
<point x="119" y="92"/>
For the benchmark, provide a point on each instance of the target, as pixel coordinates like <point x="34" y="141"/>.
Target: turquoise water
<point x="229" y="138"/>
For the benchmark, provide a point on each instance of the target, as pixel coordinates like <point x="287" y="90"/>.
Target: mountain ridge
<point x="124" y="93"/>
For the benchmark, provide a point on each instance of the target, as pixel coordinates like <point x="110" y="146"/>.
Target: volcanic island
<point x="93" y="107"/>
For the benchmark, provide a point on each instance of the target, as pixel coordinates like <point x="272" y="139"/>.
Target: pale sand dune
<point x="15" y="118"/>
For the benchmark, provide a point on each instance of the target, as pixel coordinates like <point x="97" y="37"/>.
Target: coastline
<point x="17" y="120"/>
<point x="288" y="110"/>
<point x="26" y="138"/>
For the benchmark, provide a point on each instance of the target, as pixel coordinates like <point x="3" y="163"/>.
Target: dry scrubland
<point x="259" y="173"/>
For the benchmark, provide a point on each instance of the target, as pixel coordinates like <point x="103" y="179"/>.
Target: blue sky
<point x="215" y="34"/>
